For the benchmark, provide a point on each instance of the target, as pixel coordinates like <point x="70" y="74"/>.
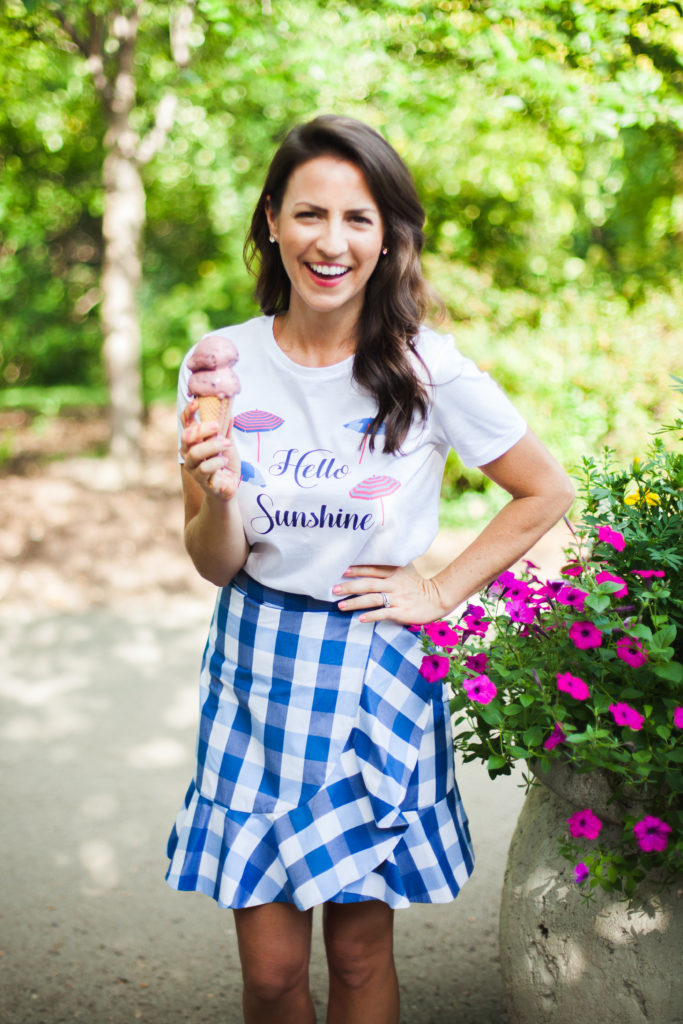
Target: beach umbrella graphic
<point x="250" y="475"/>
<point x="374" y="488"/>
<point x="255" y="421"/>
<point x="361" y="426"/>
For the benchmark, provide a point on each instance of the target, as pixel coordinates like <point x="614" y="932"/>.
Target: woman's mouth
<point x="327" y="274"/>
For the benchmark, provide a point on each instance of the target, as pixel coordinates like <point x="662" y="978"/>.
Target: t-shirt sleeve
<point x="470" y="412"/>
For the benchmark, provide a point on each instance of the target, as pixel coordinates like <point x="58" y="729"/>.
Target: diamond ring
<point x="385" y="600"/>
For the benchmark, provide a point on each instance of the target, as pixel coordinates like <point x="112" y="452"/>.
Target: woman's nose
<point x="332" y="239"/>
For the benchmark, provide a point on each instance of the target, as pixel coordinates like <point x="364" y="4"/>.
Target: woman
<point x="324" y="770"/>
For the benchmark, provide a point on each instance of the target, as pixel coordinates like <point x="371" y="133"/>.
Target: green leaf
<point x="495" y="762"/>
<point x="520" y="752"/>
<point x="526" y="699"/>
<point x="533" y="737"/>
<point x="598" y="602"/>
<point x="673" y="671"/>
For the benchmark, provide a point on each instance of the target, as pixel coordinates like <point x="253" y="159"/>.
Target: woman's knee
<point x="359" y="947"/>
<point x="274" y="945"/>
<point x="271" y="981"/>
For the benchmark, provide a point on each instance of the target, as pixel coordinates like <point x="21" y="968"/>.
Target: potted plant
<point x="580" y="678"/>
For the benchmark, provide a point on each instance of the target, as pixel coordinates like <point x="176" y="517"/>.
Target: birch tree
<point x="106" y="37"/>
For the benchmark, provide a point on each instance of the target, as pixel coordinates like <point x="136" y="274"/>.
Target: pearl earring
<point x="384" y="252"/>
<point x="272" y="239"/>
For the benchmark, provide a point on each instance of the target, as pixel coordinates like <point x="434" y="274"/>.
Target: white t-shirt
<point x="314" y="499"/>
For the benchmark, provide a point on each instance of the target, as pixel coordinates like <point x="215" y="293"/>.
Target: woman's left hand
<point x="411" y="598"/>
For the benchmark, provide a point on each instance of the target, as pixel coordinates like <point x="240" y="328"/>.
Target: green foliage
<point x="589" y="669"/>
<point x="545" y="137"/>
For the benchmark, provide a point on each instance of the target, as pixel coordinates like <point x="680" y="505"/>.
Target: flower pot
<point x="565" y="960"/>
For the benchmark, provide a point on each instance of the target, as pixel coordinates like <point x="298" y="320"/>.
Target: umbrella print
<point x="375" y="488"/>
<point x="250" y="475"/>
<point x="362" y="427"/>
<point x="255" y="422"/>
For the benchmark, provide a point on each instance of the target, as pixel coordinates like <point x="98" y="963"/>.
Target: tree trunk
<point x="123" y="222"/>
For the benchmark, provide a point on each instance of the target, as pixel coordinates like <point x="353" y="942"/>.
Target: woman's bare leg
<point x="359" y="938"/>
<point x="275" y="947"/>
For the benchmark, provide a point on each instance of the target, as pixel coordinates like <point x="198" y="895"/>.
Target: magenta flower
<point x="647" y="574"/>
<point x="572" y="597"/>
<point x="609" y="536"/>
<point x="434" y="667"/>
<point x="517" y="590"/>
<point x="624" y="714"/>
<point x="572" y="685"/>
<point x="442" y="634"/>
<point x="585" y="824"/>
<point x="477" y="662"/>
<point x="519" y="611"/>
<point x="652" y="834"/>
<point x="556" y="737"/>
<point x="678" y="718"/>
<point x="573" y="569"/>
<point x="474" y="620"/>
<point x="480" y="689"/>
<point x="608" y="577"/>
<point x="414" y="627"/>
<point x="581" y="872"/>
<point x="550" y="590"/>
<point x="631" y="651"/>
<point x="585" y="635"/>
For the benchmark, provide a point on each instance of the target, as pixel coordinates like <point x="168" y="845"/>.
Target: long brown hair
<point x="395" y="297"/>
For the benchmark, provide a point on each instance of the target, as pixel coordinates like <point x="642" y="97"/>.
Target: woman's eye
<point x="306" y="214"/>
<point x="359" y="219"/>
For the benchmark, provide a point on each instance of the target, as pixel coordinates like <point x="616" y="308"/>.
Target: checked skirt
<point x="324" y="762"/>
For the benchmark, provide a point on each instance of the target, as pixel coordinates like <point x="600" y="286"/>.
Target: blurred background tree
<point x="546" y="138"/>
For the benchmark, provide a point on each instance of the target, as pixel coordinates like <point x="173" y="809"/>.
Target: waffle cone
<point x="214" y="408"/>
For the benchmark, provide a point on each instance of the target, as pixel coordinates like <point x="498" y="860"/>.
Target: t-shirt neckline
<point x="340" y="369"/>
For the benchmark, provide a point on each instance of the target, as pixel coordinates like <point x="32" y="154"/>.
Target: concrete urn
<point x="565" y="960"/>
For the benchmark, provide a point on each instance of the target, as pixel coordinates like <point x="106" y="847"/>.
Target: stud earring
<point x="384" y="252"/>
<point x="272" y="239"/>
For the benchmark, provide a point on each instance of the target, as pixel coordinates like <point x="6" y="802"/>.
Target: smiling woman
<point x="330" y="233"/>
<point x="325" y="771"/>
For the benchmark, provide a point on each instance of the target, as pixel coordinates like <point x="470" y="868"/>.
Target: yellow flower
<point x="634" y="496"/>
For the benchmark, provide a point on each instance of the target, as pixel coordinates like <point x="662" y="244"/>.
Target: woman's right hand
<point x="211" y="459"/>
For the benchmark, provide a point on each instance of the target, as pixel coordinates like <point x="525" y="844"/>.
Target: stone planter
<point x="564" y="960"/>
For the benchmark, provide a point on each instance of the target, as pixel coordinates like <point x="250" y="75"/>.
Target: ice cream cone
<point x="216" y="409"/>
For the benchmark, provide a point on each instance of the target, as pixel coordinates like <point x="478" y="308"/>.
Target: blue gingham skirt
<point x="324" y="762"/>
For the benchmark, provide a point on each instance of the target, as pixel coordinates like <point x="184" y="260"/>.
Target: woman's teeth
<point x="327" y="271"/>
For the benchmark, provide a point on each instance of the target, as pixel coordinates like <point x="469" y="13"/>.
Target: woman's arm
<point x="541" y="492"/>
<point x="214" y="533"/>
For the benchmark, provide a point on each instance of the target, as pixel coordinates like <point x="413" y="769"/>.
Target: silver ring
<point x="385" y="600"/>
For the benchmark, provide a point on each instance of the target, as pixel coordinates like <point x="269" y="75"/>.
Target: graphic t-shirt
<point x="314" y="499"/>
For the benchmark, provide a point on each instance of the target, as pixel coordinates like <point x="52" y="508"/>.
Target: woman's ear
<point x="270" y="217"/>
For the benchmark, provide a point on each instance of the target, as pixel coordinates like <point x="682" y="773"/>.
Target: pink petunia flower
<point x="678" y="718"/>
<point x="480" y="689"/>
<point x="414" y="627"/>
<point x="556" y="737"/>
<point x="549" y="591"/>
<point x="572" y="597"/>
<point x="572" y="685"/>
<point x="442" y="634"/>
<point x="609" y="536"/>
<point x="519" y="611"/>
<point x="608" y="577"/>
<point x="517" y="590"/>
<point x="652" y="834"/>
<point x="477" y="662"/>
<point x="584" y="824"/>
<point x="434" y="667"/>
<point x="584" y="635"/>
<point x="581" y="872"/>
<point x="624" y="714"/>
<point x="474" y="620"/>
<point x="573" y="569"/>
<point x="647" y="574"/>
<point x="631" y="651"/>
